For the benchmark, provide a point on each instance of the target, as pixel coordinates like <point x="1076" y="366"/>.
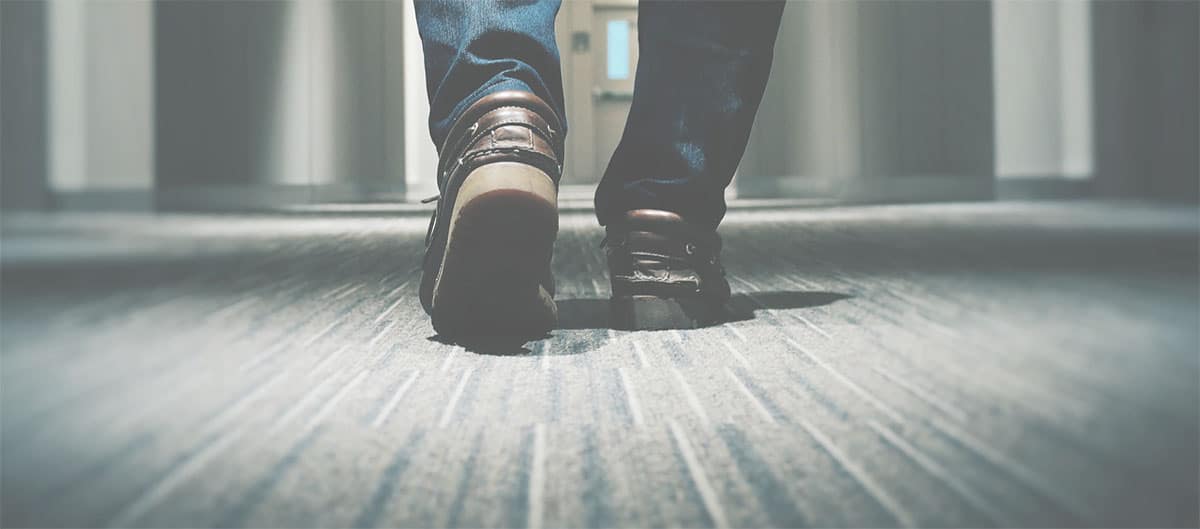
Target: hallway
<point x="985" y="364"/>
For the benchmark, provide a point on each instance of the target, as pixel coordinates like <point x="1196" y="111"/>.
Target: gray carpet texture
<point x="989" y="364"/>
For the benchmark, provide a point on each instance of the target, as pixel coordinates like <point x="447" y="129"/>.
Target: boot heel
<point x="513" y="178"/>
<point x="497" y="255"/>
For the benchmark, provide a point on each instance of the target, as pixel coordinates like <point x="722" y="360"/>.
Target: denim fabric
<point x="702" y="69"/>
<point x="477" y="47"/>
<point x="701" y="73"/>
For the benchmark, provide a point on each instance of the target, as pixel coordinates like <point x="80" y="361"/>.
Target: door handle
<point x="604" y="94"/>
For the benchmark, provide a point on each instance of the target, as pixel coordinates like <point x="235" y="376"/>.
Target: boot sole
<point x="498" y="250"/>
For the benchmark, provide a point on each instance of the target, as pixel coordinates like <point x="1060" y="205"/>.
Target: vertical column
<point x="1043" y="90"/>
<point x="101" y="103"/>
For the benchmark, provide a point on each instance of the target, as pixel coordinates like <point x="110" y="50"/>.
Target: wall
<point x="101" y="103"/>
<point x="23" y="81"/>
<point x="1146" y="79"/>
<point x="1043" y="83"/>
<point x="278" y="102"/>
<point x="231" y="104"/>
<point x="876" y="101"/>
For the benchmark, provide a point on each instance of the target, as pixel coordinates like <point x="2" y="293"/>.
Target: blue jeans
<point x="701" y="73"/>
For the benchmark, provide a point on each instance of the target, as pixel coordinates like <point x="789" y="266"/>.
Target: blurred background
<point x="234" y="105"/>
<point x="210" y="254"/>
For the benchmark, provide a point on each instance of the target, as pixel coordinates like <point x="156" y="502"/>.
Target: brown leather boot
<point x="665" y="272"/>
<point x="488" y="250"/>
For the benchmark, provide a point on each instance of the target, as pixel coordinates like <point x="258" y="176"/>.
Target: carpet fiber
<point x="1010" y="364"/>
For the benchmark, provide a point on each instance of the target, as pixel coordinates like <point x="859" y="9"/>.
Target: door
<point x="612" y="78"/>
<point x="599" y="69"/>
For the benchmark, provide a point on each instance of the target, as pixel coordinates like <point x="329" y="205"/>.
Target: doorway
<point x="598" y="43"/>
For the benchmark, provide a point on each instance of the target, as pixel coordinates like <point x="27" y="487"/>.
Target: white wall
<point x="101" y="95"/>
<point x="1042" y="61"/>
<point x="420" y="165"/>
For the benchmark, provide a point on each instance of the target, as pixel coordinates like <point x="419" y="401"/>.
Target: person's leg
<point x="478" y="47"/>
<point x="702" y="69"/>
<point x="496" y="115"/>
<point x="701" y="73"/>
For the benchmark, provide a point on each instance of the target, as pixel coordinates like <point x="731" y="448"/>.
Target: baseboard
<point x="1049" y="187"/>
<point x="297" y="198"/>
<point x="892" y="189"/>
<point x="267" y="197"/>
<point x="103" y="200"/>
